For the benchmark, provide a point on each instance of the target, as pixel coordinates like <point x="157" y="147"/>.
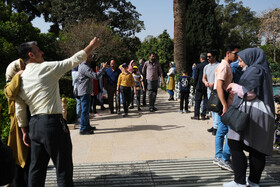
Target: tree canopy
<point x="121" y="15"/>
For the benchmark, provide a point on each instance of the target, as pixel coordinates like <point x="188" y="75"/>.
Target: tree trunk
<point x="179" y="10"/>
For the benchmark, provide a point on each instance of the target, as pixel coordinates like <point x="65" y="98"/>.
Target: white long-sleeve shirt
<point x="40" y="89"/>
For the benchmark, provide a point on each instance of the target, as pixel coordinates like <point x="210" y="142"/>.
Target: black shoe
<point x="103" y="108"/>
<point x="131" y="107"/>
<point x="125" y="115"/>
<point x="112" y="112"/>
<point x="118" y="112"/>
<point x="86" y="132"/>
<point x="155" y="109"/>
<point x="204" y="118"/>
<point x="214" y="132"/>
<point x="195" y="118"/>
<point x="139" y="109"/>
<point x="151" y="110"/>
<point x="91" y="128"/>
<point x="144" y="104"/>
<point x="210" y="130"/>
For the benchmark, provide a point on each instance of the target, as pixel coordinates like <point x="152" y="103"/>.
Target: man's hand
<point x="105" y="65"/>
<point x="211" y="85"/>
<point x="94" y="43"/>
<point x="25" y="136"/>
<point x="225" y="109"/>
<point x="20" y="72"/>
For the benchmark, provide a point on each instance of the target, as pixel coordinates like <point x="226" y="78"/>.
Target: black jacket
<point x="198" y="84"/>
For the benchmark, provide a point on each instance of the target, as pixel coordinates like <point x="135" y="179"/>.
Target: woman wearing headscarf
<point x="15" y="140"/>
<point x="171" y="81"/>
<point x="257" y="138"/>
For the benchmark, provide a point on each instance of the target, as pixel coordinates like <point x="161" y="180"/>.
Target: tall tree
<point x="121" y="14"/>
<point x="239" y="24"/>
<point x="270" y="28"/>
<point x="179" y="11"/>
<point x="202" y="29"/>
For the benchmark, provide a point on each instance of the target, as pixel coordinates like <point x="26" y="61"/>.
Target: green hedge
<point x="71" y="110"/>
<point x="4" y="117"/>
<point x="65" y="86"/>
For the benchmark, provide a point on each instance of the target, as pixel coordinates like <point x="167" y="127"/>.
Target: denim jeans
<point x="78" y="107"/>
<point x="85" y="103"/>
<point x="222" y="150"/>
<point x="171" y="93"/>
<point x="138" y="94"/>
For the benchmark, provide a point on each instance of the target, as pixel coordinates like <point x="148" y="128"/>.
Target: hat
<point x="135" y="67"/>
<point x="124" y="65"/>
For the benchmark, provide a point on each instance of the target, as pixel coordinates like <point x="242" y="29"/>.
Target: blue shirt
<point x="112" y="76"/>
<point x="236" y="71"/>
<point x="185" y="83"/>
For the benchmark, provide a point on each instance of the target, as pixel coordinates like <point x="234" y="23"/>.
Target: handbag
<point x="237" y="120"/>
<point x="214" y="104"/>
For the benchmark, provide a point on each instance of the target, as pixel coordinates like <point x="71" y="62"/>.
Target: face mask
<point x="244" y="69"/>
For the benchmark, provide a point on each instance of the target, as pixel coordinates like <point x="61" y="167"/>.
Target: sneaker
<point x="155" y="109"/>
<point x="181" y="111"/>
<point x="187" y="111"/>
<point x="125" y="115"/>
<point x="216" y="160"/>
<point x="139" y="109"/>
<point x="131" y="107"/>
<point x="195" y="118"/>
<point x="251" y="184"/>
<point x="233" y="184"/>
<point x="226" y="165"/>
<point x="151" y="110"/>
<point x="91" y="128"/>
<point x="118" y="112"/>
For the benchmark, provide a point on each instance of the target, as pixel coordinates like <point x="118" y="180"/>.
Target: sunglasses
<point x="209" y="56"/>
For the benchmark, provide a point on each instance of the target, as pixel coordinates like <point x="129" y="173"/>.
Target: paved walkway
<point x="164" y="134"/>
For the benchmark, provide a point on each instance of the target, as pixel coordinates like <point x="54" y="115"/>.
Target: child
<point x="184" y="91"/>
<point x="138" y="79"/>
<point x="125" y="82"/>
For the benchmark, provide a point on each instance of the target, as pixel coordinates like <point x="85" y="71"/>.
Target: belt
<point x="47" y="115"/>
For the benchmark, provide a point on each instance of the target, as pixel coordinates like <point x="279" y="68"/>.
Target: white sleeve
<point x="21" y="113"/>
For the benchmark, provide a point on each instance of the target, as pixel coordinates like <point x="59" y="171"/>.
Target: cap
<point x="124" y="65"/>
<point x="135" y="67"/>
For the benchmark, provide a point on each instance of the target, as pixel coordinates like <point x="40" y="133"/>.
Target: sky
<point x="158" y="15"/>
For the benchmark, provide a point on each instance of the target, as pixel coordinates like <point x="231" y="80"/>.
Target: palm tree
<point x="179" y="10"/>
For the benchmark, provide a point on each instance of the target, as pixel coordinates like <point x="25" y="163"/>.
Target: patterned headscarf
<point x="12" y="69"/>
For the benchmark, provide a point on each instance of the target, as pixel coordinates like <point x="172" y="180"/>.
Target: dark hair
<point x="184" y="71"/>
<point x="214" y="52"/>
<point x="24" y="49"/>
<point x="231" y="47"/>
<point x="203" y="56"/>
<point x="153" y="53"/>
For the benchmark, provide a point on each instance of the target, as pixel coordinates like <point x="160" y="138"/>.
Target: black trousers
<point x="21" y="174"/>
<point x="111" y="89"/>
<point x="126" y="94"/>
<point x="198" y="98"/>
<point x="144" y="93"/>
<point x="50" y="140"/>
<point x="239" y="162"/>
<point x="152" y="86"/>
<point x="184" y="97"/>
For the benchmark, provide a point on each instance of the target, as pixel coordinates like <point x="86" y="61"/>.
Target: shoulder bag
<point x="237" y="120"/>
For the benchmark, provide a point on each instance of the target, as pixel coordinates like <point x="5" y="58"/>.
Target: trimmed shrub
<point x="65" y="86"/>
<point x="71" y="110"/>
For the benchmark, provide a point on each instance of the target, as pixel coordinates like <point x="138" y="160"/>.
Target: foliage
<point x="269" y="51"/>
<point x="202" y="30"/>
<point x="4" y="117"/>
<point x="14" y="30"/>
<point x="65" y="87"/>
<point x="112" y="47"/>
<point x="162" y="46"/>
<point x="275" y="67"/>
<point x="239" y="24"/>
<point x="276" y="80"/>
<point x="71" y="110"/>
<point x="121" y="14"/>
<point x="270" y="29"/>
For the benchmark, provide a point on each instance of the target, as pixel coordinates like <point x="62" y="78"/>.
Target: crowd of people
<point x="36" y="110"/>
